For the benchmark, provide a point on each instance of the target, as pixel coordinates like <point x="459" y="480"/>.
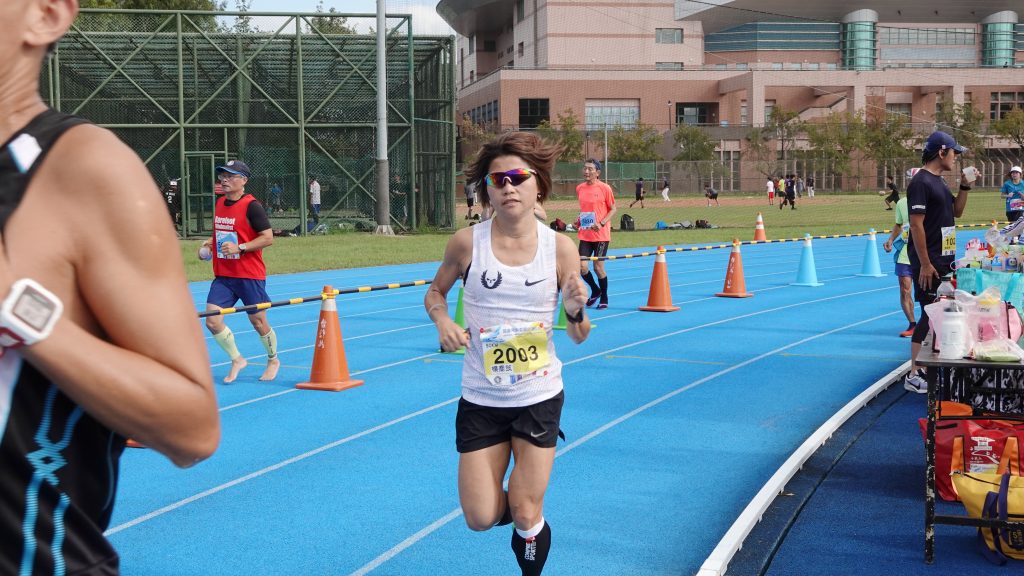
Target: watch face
<point x="33" y="308"/>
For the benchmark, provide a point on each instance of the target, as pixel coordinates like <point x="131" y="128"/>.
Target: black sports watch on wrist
<point x="28" y="314"/>
<point x="575" y="318"/>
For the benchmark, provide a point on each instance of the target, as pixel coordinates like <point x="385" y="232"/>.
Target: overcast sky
<point x="425" y="19"/>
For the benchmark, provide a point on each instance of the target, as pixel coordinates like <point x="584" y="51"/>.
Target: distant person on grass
<point x="98" y="339"/>
<point x="893" y="192"/>
<point x="512" y="267"/>
<point x="640" y="192"/>
<point x="241" y="230"/>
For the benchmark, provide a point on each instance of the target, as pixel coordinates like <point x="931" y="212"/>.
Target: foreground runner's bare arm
<point x="93" y="229"/>
<point x="574" y="291"/>
<point x="457" y="255"/>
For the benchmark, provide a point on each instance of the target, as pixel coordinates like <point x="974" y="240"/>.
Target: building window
<point x="730" y="180"/>
<point x="744" y="118"/>
<point x="472" y="76"/>
<point x="532" y="111"/>
<point x="472" y="44"/>
<point x="693" y="114"/>
<point x="490" y="46"/>
<point x="668" y="35"/>
<point x="1002" y="102"/>
<point x="668" y="65"/>
<point x="520" y="10"/>
<point x="769" y="107"/>
<point x="522" y="48"/>
<point x="612" y="113"/>
<point x="900" y="109"/>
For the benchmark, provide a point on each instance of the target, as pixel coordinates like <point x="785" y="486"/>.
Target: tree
<point x="890" y="141"/>
<point x="1011" y="126"/>
<point x="761" y="153"/>
<point x="472" y="136"/>
<point x="327" y="24"/>
<point x="567" y="134"/>
<point x="836" y="139"/>
<point x="963" y="123"/>
<point x="786" y="126"/>
<point x="636" y="145"/>
<point x="695" y="146"/>
<point x="146" y="22"/>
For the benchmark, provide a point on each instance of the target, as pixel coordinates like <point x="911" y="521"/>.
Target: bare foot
<point x="271" y="372"/>
<point x="236" y="366"/>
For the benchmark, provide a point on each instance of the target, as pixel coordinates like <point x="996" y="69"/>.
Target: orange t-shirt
<point x="596" y="199"/>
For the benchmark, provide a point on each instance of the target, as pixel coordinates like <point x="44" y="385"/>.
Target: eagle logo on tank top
<point x="490" y="284"/>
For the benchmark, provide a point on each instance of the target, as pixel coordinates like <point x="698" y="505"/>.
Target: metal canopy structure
<point x="293" y="95"/>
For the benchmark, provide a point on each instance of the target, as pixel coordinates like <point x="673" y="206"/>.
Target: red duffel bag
<point x="976" y="445"/>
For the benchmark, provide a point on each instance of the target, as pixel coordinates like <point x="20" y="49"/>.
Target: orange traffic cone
<point x="735" y="286"/>
<point x="759" y="235"/>
<point x="330" y="369"/>
<point x="659" y="299"/>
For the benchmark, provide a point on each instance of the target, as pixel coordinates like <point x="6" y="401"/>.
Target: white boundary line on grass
<point x="718" y="561"/>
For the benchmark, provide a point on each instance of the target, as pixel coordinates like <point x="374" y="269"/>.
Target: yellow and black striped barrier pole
<point x="318" y="297"/>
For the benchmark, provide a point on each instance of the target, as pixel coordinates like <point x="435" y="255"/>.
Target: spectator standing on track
<point x="1013" y="192"/>
<point x="932" y="243"/>
<point x="597" y="207"/>
<point x="313" y="199"/>
<point x="901" y="231"/>
<point x="80" y="369"/>
<point x="640" y="192"/>
<point x="241" y="230"/>
<point x="512" y="393"/>
<point x="894" y="193"/>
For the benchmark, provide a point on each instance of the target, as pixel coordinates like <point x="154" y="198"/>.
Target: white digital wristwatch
<point x="28" y="314"/>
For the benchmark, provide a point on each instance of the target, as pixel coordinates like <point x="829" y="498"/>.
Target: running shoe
<point x="908" y="332"/>
<point x="602" y="306"/>
<point x="593" y="300"/>
<point x="916" y="382"/>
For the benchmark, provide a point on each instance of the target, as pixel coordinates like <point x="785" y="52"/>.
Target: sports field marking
<point x="258" y="473"/>
<point x="440" y="522"/>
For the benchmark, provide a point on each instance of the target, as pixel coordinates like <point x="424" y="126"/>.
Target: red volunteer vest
<point x="230" y="224"/>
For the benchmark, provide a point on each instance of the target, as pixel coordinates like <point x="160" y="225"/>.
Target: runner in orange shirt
<point x="597" y="207"/>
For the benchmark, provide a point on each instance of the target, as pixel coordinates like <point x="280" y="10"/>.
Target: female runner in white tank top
<point x="512" y="267"/>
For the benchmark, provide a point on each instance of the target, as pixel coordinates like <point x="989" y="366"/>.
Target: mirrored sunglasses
<point x="515" y="177"/>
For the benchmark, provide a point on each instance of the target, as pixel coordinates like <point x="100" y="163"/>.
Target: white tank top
<point x="500" y="300"/>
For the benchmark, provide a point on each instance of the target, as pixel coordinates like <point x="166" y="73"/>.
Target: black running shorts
<point x="588" y="248"/>
<point x="478" y="427"/>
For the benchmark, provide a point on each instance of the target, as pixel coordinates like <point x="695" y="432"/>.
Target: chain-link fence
<point x="293" y="95"/>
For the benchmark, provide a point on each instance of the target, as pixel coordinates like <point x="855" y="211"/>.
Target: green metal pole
<point x="301" y="113"/>
<point x="412" y="200"/>
<point x="184" y="187"/>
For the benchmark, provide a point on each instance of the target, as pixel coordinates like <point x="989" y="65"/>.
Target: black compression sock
<point x="603" y="283"/>
<point x="589" y="279"/>
<point x="532" y="553"/>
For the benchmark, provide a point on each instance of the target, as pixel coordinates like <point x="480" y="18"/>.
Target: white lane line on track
<point x="258" y="473"/>
<point x="271" y="468"/>
<point x="439" y="523"/>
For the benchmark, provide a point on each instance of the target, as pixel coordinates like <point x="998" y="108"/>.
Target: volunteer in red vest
<point x="597" y="207"/>
<point x="241" y="230"/>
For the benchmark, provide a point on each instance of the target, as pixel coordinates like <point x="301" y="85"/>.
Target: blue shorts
<point x="225" y="292"/>
<point x="903" y="270"/>
<point x="316" y="209"/>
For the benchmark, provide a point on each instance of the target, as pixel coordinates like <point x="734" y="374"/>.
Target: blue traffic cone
<point x="870" y="266"/>
<point x="806" y="275"/>
<point x="460" y="320"/>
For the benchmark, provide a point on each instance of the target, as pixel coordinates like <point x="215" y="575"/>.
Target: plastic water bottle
<point x="953" y="338"/>
<point x="944" y="291"/>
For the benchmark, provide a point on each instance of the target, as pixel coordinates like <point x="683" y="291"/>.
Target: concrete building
<point x="725" y="64"/>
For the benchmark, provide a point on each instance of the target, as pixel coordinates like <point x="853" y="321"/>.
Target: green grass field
<point x="824" y="214"/>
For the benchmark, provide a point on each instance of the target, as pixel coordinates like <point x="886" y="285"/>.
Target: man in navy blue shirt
<point x="932" y="245"/>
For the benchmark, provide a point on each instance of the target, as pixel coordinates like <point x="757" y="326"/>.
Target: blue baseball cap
<point x="939" y="141"/>
<point x="235" y="167"/>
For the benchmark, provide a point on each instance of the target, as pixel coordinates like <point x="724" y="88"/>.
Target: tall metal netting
<point x="293" y="95"/>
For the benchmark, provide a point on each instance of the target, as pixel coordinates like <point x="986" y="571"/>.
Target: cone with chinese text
<point x="735" y="286"/>
<point x="460" y="319"/>
<point x="759" y="234"/>
<point x="659" y="299"/>
<point x="870" y="267"/>
<point x="330" y="368"/>
<point x="807" y="275"/>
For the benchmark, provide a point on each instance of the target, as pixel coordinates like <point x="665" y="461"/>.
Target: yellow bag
<point x="997" y="497"/>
